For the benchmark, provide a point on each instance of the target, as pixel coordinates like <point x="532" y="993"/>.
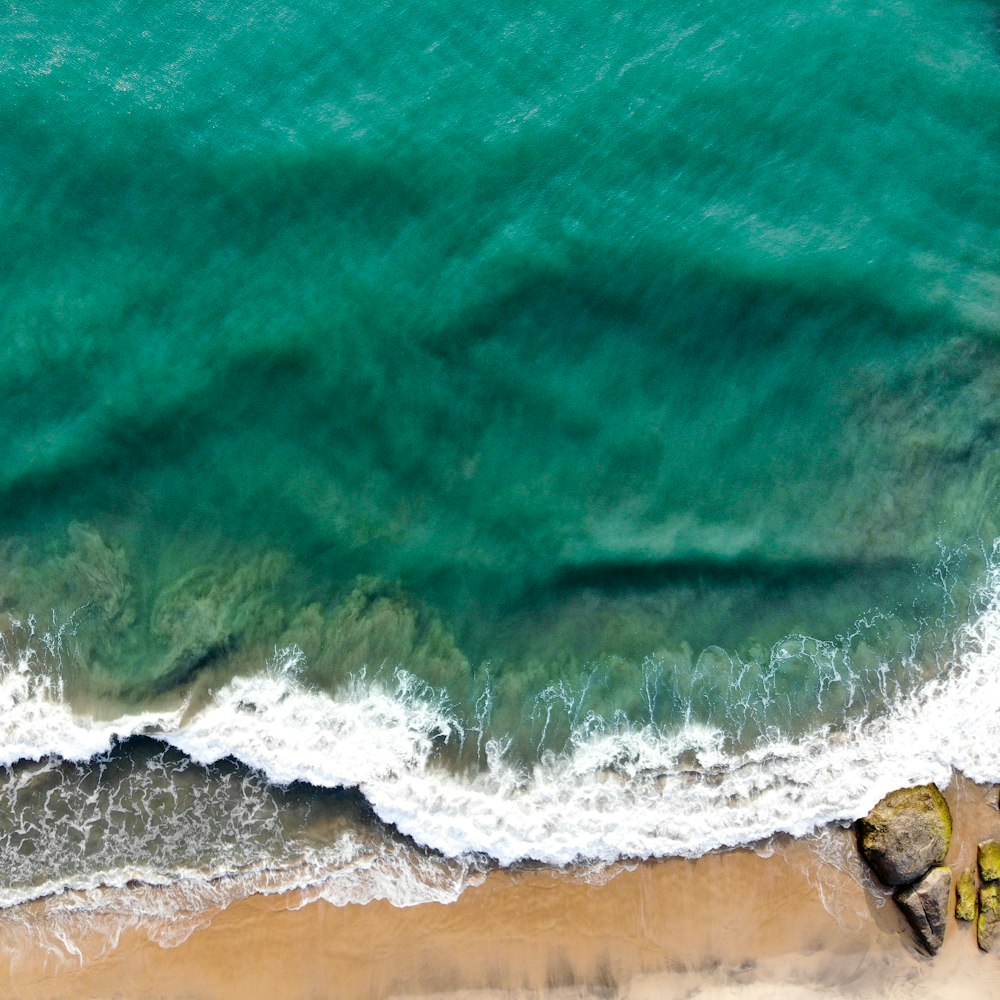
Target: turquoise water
<point x="639" y="366"/>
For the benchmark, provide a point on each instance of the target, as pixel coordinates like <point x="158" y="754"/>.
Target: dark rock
<point x="965" y="896"/>
<point x="906" y="834"/>
<point x="926" y="906"/>
<point x="988" y="925"/>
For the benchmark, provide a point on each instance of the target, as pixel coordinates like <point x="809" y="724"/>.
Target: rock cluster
<point x="905" y="839"/>
<point x="988" y="924"/>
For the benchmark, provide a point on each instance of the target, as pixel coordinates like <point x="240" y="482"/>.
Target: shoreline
<point x="789" y="918"/>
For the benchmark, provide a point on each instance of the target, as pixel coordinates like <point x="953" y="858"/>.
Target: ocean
<point x="436" y="439"/>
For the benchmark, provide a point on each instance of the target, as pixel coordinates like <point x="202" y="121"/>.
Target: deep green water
<point x="514" y="347"/>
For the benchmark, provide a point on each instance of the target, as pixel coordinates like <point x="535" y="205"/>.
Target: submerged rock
<point x="965" y="896"/>
<point x="989" y="860"/>
<point x="926" y="906"/>
<point x="906" y="834"/>
<point x="988" y="925"/>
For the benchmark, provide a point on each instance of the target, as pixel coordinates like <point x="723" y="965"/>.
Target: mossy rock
<point x="988" y="925"/>
<point x="989" y="860"/>
<point x="906" y="834"/>
<point x="965" y="896"/>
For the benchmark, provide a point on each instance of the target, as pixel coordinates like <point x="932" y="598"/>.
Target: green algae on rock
<point x="989" y="860"/>
<point x="906" y="834"/>
<point x="988" y="925"/>
<point x="965" y="896"/>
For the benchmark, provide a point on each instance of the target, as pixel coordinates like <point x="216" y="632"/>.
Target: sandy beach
<point x="791" y="919"/>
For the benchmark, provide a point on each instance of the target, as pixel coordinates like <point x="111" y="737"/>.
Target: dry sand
<point x="732" y="924"/>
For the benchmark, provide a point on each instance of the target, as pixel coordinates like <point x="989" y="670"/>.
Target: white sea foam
<point x="86" y="919"/>
<point x="618" y="791"/>
<point x="36" y="721"/>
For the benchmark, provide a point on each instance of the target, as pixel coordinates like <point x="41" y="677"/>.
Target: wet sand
<point x="791" y="919"/>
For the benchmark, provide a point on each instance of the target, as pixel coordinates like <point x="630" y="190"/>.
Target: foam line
<point x="617" y="791"/>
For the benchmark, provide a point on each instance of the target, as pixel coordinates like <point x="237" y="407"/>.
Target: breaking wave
<point x="266" y="748"/>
